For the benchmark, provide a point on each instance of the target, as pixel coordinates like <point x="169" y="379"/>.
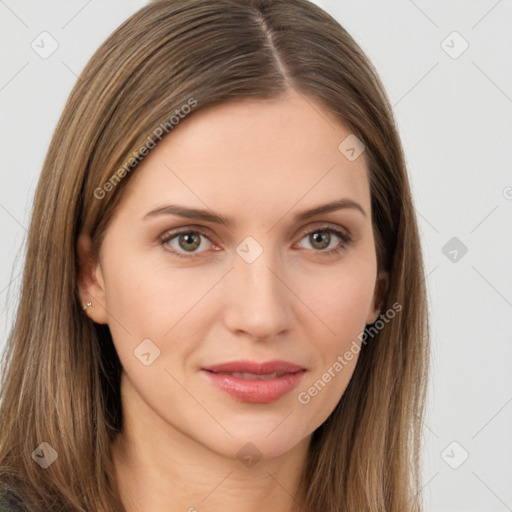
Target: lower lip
<point x="256" y="391"/>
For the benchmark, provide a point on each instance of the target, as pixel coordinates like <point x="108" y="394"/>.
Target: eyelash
<point x="344" y="237"/>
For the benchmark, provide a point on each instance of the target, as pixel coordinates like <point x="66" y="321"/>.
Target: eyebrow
<point x="209" y="216"/>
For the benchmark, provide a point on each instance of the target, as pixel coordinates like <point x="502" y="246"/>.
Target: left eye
<point x="321" y="239"/>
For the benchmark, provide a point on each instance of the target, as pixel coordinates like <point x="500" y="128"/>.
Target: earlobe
<point x="381" y="289"/>
<point x="91" y="287"/>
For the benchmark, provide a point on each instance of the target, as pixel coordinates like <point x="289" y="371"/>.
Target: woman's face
<point x="272" y="291"/>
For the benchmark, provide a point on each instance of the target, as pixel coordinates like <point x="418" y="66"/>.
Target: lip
<point x="250" y="388"/>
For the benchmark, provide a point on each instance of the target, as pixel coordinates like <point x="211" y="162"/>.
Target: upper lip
<point x="255" y="367"/>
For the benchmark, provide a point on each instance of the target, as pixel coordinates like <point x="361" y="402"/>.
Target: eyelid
<point x="325" y="226"/>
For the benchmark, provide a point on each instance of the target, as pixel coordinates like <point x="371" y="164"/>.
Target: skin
<point x="259" y="163"/>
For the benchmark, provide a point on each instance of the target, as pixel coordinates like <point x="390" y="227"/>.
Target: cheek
<point x="341" y="297"/>
<point x="341" y="300"/>
<point x="147" y="298"/>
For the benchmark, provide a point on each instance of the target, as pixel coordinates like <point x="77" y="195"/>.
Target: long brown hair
<point x="60" y="381"/>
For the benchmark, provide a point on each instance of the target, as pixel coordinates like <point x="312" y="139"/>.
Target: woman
<point x="223" y="300"/>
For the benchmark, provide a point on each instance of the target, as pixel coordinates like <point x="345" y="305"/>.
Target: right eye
<point x="183" y="243"/>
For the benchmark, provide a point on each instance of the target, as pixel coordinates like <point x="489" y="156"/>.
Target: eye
<point x="185" y="241"/>
<point x="322" y="238"/>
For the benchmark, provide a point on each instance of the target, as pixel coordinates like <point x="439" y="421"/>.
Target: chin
<point x="258" y="440"/>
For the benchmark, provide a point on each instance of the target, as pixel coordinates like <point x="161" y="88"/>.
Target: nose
<point x="257" y="302"/>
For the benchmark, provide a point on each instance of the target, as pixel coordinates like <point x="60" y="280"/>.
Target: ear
<point x="91" y="285"/>
<point x="380" y="290"/>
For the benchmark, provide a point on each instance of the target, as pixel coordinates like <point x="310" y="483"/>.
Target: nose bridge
<point x="259" y="302"/>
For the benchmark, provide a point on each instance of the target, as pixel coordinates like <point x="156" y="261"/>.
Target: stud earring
<point x="88" y="305"/>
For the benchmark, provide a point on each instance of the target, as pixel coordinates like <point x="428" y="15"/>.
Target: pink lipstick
<point x="253" y="382"/>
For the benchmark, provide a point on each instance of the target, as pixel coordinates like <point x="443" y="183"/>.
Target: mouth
<point x="253" y="382"/>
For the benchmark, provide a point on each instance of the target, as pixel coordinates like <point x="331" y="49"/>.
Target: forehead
<point x="259" y="156"/>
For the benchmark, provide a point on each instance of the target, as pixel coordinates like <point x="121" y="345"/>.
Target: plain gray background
<point x="453" y="106"/>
